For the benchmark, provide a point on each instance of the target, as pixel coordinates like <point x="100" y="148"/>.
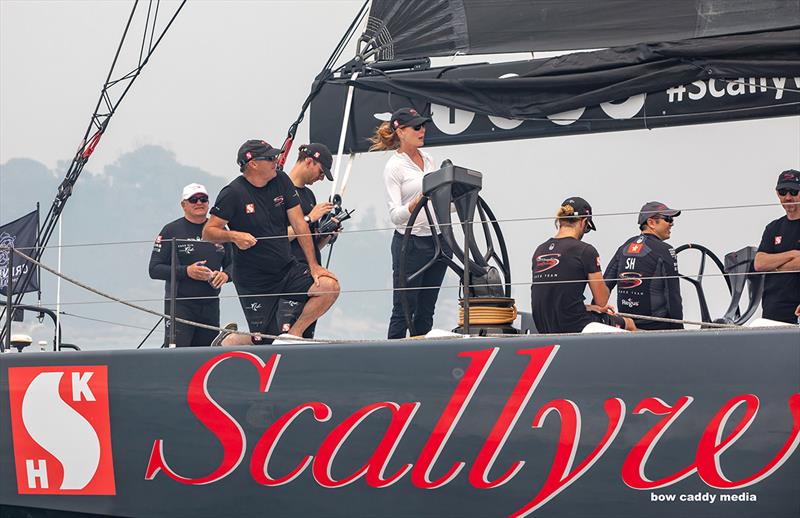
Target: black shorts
<point x="260" y="301"/>
<point x="201" y="311"/>
<point x="609" y="320"/>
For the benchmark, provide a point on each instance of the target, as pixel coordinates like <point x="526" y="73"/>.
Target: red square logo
<point x="250" y="208"/>
<point x="61" y="430"/>
<point x="635" y="248"/>
<point x="778" y="240"/>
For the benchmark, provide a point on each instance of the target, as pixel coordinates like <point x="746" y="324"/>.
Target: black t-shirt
<point x="217" y="257"/>
<point x="307" y="202"/>
<point x="637" y="260"/>
<point x="261" y="212"/>
<point x="558" y="306"/>
<point x="781" y="290"/>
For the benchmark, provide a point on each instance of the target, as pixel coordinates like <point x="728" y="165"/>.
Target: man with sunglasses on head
<point x="202" y="270"/>
<point x="645" y="270"/>
<point x="779" y="252"/>
<point x="256" y="208"/>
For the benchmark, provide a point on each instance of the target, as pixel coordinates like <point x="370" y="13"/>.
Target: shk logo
<point x="61" y="430"/>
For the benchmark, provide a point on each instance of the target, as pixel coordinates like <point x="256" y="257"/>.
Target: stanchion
<point x="9" y="303"/>
<point x="173" y="289"/>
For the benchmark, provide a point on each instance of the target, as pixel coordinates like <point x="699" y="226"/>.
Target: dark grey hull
<point x="427" y="428"/>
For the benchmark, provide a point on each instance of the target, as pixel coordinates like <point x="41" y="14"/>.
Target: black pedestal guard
<point x="738" y="263"/>
<point x="459" y="187"/>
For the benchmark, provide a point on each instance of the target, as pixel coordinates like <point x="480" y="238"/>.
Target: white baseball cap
<point x="192" y="189"/>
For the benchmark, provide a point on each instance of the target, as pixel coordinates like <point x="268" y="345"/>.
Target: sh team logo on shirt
<point x="61" y="430"/>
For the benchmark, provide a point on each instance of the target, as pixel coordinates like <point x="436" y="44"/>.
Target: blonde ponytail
<point x="384" y="138"/>
<point x="565" y="216"/>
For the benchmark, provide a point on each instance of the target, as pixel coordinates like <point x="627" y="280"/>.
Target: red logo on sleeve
<point x="598" y="261"/>
<point x="778" y="240"/>
<point x="61" y="430"/>
<point x="250" y="208"/>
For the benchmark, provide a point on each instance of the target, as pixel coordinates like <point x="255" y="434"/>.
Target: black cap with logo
<point x="789" y="179"/>
<point x="654" y="209"/>
<point x="321" y="154"/>
<point x="255" y="149"/>
<point x="406" y="117"/>
<point x="581" y="208"/>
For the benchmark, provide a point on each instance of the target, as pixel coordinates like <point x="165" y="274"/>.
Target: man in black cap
<point x="562" y="266"/>
<point x="314" y="162"/>
<point x="645" y="270"/>
<point x="256" y="208"/>
<point x="779" y="251"/>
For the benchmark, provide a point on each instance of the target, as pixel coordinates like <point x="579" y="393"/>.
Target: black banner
<point x="20" y="234"/>
<point x="703" y="101"/>
<point x="668" y="424"/>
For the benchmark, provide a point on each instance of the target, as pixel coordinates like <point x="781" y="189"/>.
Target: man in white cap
<point x="201" y="271"/>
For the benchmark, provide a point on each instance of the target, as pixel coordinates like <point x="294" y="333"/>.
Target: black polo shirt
<point x="307" y="202"/>
<point x="781" y="290"/>
<point x="261" y="212"/>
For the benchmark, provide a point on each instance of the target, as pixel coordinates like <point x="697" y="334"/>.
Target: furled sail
<point x="399" y="29"/>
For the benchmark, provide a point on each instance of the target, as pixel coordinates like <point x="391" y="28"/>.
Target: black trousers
<point x="202" y="311"/>
<point x="422" y="302"/>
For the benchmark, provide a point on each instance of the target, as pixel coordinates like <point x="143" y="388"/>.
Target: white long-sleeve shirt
<point x="403" y="181"/>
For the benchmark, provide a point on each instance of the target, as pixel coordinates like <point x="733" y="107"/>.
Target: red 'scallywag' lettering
<point x="560" y="477"/>
<point x="216" y="419"/>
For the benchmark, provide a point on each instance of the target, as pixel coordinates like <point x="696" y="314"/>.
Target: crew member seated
<point x="645" y="270"/>
<point x="562" y="266"/>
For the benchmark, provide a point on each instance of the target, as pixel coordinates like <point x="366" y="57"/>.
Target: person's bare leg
<point x="629" y="325"/>
<point x="234" y="339"/>
<point x="320" y="299"/>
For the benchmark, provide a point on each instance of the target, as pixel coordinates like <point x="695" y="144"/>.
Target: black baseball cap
<point x="407" y="117"/>
<point x="789" y="179"/>
<point x="321" y="154"/>
<point x="653" y="209"/>
<point x="581" y="208"/>
<point x="255" y="149"/>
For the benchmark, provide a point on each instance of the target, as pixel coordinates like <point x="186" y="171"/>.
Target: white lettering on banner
<point x="741" y="86"/>
<point x="453" y="121"/>
<point x="626" y="109"/>
<point x="450" y="121"/>
<point x="37" y="472"/>
<point x="566" y="118"/>
<point x="502" y="122"/>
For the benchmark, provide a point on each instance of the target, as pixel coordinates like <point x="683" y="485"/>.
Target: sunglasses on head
<point x="197" y="199"/>
<point x="784" y="192"/>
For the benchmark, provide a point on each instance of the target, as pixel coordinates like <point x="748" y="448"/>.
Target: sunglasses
<point x="267" y="158"/>
<point x="784" y="192"/>
<point x="416" y="128"/>
<point x="668" y="219"/>
<point x="197" y="199"/>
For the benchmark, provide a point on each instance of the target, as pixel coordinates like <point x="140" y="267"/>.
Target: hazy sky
<point x="229" y="71"/>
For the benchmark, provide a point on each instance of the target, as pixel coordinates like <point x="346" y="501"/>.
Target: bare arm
<point x="792" y="265"/>
<point x="598" y="288"/>
<point x="765" y="262"/>
<point x="295" y="215"/>
<point x="215" y="231"/>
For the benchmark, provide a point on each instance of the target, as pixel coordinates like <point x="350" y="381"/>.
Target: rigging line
<point x="181" y="320"/>
<point x="477" y="221"/>
<point x="146" y="25"/>
<point x="119" y="324"/>
<point x="657" y="117"/>
<point x="678" y="321"/>
<point x="446" y="287"/>
<point x="82" y="155"/>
